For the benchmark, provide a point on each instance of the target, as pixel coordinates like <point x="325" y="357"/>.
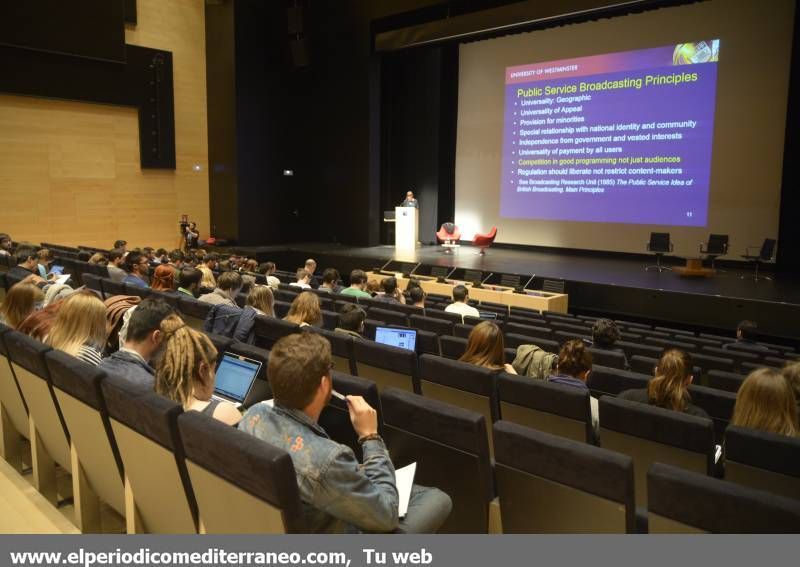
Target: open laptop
<point x="236" y="380"/>
<point x="402" y="338"/>
<point x="487" y="314"/>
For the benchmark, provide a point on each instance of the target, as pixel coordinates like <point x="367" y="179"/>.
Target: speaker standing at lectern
<point x="410" y="201"/>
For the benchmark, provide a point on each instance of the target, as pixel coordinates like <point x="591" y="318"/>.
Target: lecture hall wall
<point x="70" y="173"/>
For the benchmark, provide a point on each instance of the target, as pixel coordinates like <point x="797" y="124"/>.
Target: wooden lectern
<point x="406" y="232"/>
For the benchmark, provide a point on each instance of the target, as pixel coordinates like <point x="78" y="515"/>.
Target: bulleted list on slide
<point x="623" y="137"/>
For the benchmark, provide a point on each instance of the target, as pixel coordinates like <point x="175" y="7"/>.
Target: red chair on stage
<point x="483" y="241"/>
<point x="449" y="234"/>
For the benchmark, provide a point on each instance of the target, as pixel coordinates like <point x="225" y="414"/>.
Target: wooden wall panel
<point x="69" y="171"/>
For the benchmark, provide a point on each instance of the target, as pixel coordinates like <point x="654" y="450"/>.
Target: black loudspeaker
<point x="295" y="20"/>
<point x="299" y="52"/>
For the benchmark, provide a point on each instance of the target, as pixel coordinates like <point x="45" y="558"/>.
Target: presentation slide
<point x="616" y="138"/>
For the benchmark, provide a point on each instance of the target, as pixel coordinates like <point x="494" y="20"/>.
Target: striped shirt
<point x="89" y="355"/>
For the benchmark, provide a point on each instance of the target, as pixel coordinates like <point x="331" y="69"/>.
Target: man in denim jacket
<point x="339" y="493"/>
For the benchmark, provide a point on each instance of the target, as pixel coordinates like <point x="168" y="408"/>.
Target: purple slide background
<point x="626" y="204"/>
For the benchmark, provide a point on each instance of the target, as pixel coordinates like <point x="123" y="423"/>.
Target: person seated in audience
<point x="746" y="335"/>
<point x="792" y="374"/>
<point x="44" y="258"/>
<point x="116" y="261"/>
<point x="339" y="492"/>
<point x="189" y="281"/>
<point x="132" y="360"/>
<point x="98" y="259"/>
<point x="56" y="292"/>
<point x="262" y="300"/>
<point x="248" y="283"/>
<point x="669" y="388"/>
<point x="137" y="267"/>
<point x="120" y="245"/>
<point x="605" y="335"/>
<point x="5" y="244"/>
<point x="80" y="327"/>
<point x="486" y="348"/>
<point x="373" y="287"/>
<point x="185" y="371"/>
<point x="310" y="266"/>
<point x="268" y="269"/>
<point x="229" y="284"/>
<point x="305" y="310"/>
<point x="250" y="266"/>
<point x="391" y="293"/>
<point x="460" y="305"/>
<point x="163" y="279"/>
<point x="26" y="268"/>
<point x="351" y="320"/>
<point x="416" y="297"/>
<point x="119" y="309"/>
<point x="573" y="368"/>
<point x="358" y="280"/>
<point x="162" y="256"/>
<point x="150" y="253"/>
<point x="39" y="323"/>
<point x="20" y="301"/>
<point x="330" y="281"/>
<point x="766" y="402"/>
<point x="176" y="259"/>
<point x="209" y="264"/>
<point x="303" y="279"/>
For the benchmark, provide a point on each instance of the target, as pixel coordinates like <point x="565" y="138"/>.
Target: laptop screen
<point x="235" y="376"/>
<point x="487" y="314"/>
<point x="402" y="338"/>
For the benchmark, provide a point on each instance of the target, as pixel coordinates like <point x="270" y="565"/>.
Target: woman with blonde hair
<point x="208" y="282"/>
<point x="486" y="348"/>
<point x="79" y="328"/>
<point x="20" y="301"/>
<point x="766" y="402"/>
<point x="98" y="259"/>
<point x="305" y="310"/>
<point x="163" y="278"/>
<point x="792" y="374"/>
<point x="262" y="300"/>
<point x="669" y="389"/>
<point x="185" y="371"/>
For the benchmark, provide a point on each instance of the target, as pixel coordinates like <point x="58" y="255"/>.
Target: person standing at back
<point x="460" y="305"/>
<point x="339" y="493"/>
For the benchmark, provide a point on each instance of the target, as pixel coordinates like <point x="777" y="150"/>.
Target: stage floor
<point x="595" y="283"/>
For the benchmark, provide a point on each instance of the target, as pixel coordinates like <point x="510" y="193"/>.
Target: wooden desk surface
<point x="540" y="300"/>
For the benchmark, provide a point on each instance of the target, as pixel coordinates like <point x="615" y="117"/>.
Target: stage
<point x="596" y="283"/>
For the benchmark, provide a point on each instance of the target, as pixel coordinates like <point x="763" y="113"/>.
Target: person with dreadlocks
<point x="185" y="371"/>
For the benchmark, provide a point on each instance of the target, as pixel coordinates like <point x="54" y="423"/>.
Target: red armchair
<point x="483" y="241"/>
<point x="449" y="231"/>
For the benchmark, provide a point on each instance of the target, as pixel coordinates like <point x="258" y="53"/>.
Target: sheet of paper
<point x="61" y="279"/>
<point x="404" y="478"/>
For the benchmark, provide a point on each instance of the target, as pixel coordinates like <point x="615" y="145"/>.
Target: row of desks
<point x="539" y="300"/>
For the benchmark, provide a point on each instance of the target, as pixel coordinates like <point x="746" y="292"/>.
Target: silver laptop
<point x="236" y="377"/>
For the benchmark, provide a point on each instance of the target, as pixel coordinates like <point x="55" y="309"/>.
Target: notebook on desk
<point x="236" y="379"/>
